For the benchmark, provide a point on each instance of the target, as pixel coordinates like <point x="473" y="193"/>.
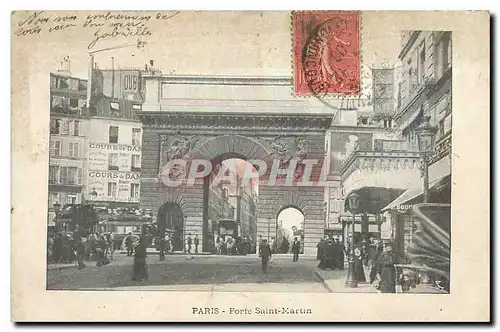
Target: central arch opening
<point x="289" y="225"/>
<point x="230" y="206"/>
<point x="171" y="223"/>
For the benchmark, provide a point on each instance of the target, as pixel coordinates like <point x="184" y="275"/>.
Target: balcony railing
<point x="392" y="145"/>
<point x="416" y="90"/>
<point x="67" y="110"/>
<point x="442" y="149"/>
<point x="388" y="161"/>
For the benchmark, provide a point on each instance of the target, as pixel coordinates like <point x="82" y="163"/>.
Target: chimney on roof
<point x="65" y="67"/>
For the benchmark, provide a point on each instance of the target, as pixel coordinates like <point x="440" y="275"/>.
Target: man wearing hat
<point x="265" y="254"/>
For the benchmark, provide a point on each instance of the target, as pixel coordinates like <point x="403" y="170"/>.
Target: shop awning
<point x="411" y="196"/>
<point x="373" y="199"/>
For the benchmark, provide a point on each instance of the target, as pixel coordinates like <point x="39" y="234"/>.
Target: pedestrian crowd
<point x="228" y="245"/>
<point x="373" y="262"/>
<point x="68" y="247"/>
<point x="331" y="254"/>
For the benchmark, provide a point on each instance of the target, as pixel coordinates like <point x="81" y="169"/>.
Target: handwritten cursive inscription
<point x="102" y="26"/>
<point x="133" y="31"/>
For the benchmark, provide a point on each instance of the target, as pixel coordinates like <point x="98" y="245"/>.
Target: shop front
<point x="399" y="213"/>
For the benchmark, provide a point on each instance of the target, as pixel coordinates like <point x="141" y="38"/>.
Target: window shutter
<point x="65" y="127"/>
<point x="64" y="175"/>
<point x="57" y="148"/>
<point x="76" y="128"/>
<point x="80" y="176"/>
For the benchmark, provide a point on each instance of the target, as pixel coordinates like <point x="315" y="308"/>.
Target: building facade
<point x="223" y="117"/>
<point x="69" y="126"/>
<point x="115" y="138"/>
<point x="425" y="90"/>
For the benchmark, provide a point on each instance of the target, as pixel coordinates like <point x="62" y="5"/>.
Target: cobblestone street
<point x="197" y="273"/>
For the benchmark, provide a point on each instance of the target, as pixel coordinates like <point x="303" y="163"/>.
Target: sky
<point x="192" y="43"/>
<point x="291" y="217"/>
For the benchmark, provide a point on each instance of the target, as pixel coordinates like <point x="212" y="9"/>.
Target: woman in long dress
<point x="359" y="271"/>
<point x="140" y="272"/>
<point x="386" y="270"/>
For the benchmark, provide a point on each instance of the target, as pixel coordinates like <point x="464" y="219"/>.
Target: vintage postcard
<point x="250" y="166"/>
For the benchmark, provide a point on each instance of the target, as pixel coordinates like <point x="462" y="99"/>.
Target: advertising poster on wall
<point x="112" y="186"/>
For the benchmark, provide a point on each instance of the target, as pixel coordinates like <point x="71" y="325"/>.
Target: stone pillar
<point x="313" y="232"/>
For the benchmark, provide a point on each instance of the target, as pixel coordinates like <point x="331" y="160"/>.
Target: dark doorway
<point x="171" y="221"/>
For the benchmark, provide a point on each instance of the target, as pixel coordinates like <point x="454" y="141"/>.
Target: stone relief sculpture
<point x="287" y="148"/>
<point x="301" y="152"/>
<point x="175" y="147"/>
<point x="280" y="148"/>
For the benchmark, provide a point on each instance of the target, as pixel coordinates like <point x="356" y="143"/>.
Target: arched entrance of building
<point x="171" y="222"/>
<point x="249" y="139"/>
<point x="289" y="224"/>
<point x="229" y="203"/>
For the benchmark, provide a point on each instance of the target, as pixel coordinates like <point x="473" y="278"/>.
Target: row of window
<point x="65" y="175"/>
<point x="113" y="165"/>
<point x="61" y="103"/>
<point x="72" y="127"/>
<point x="115" y="106"/>
<point x="113" y="190"/>
<point x="62" y="199"/>
<point x="71" y="83"/>
<point x="55" y="150"/>
<point x="65" y="127"/>
<point x="114" y="132"/>
<point x="416" y="67"/>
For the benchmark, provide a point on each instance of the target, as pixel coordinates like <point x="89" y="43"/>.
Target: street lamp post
<point x="426" y="135"/>
<point x="354" y="202"/>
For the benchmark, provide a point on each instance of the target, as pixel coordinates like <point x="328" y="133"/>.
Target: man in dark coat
<point x="295" y="249"/>
<point x="341" y="252"/>
<point x="140" y="272"/>
<point x="196" y="244"/>
<point x="265" y="254"/>
<point x="189" y="244"/>
<point x="321" y="247"/>
<point x="80" y="252"/>
<point x="284" y="246"/>
<point x="129" y="244"/>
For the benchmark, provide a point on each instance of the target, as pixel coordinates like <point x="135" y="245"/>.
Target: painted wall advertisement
<point x="113" y="186"/>
<point x="125" y="84"/>
<point x="118" y="184"/>
<point x="99" y="156"/>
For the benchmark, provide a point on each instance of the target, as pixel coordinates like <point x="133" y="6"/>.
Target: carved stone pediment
<point x="288" y="147"/>
<point x="176" y="147"/>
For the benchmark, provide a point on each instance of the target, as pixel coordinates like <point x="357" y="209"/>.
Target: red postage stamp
<point x="326" y="53"/>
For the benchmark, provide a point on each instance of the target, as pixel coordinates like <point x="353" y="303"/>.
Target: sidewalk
<point x="61" y="266"/>
<point x="335" y="282"/>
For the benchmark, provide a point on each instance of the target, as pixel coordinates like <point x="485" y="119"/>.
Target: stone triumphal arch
<point x="217" y="118"/>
